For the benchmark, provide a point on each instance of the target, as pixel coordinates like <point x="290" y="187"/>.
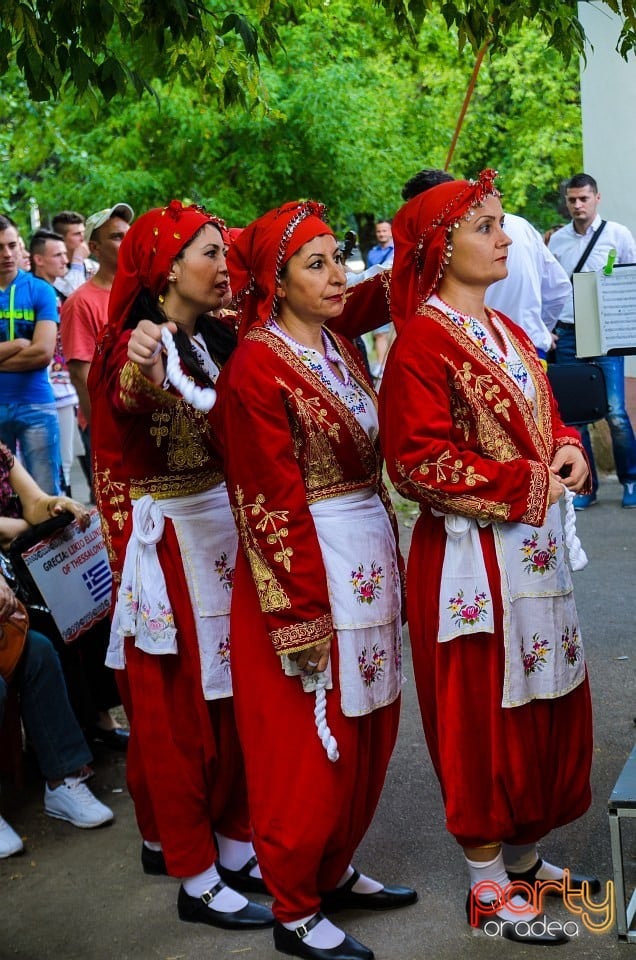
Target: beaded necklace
<point x="347" y="390"/>
<point x="508" y="360"/>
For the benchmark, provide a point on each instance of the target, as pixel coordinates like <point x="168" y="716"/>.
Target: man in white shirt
<point x="569" y="245"/>
<point x="536" y="287"/>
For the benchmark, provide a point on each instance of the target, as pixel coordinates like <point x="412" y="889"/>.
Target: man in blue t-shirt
<point x="28" y="330"/>
<point x="382" y="252"/>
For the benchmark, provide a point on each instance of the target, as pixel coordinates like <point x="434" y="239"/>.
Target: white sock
<point x="494" y="870"/>
<point x="519" y="857"/>
<point x="548" y="871"/>
<point x="362" y="885"/>
<point x="324" y="936"/>
<point x="225" y="901"/>
<point x="152" y="846"/>
<point x="234" y="854"/>
<point x="522" y="857"/>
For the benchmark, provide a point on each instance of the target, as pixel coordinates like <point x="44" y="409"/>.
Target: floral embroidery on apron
<point x="358" y="549"/>
<point x="465" y="602"/>
<point x="544" y="648"/>
<point x="205" y="529"/>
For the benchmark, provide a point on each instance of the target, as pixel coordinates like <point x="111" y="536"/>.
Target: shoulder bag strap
<point x="589" y="248"/>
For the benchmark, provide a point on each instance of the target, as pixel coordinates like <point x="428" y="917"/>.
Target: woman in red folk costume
<point x="316" y="611"/>
<point x="471" y="432"/>
<point x="172" y="543"/>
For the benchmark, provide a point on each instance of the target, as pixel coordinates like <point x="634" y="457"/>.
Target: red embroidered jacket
<point x="144" y="440"/>
<point x="456" y="430"/>
<point x="288" y="442"/>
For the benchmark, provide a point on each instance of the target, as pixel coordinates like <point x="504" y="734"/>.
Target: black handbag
<point x="579" y="390"/>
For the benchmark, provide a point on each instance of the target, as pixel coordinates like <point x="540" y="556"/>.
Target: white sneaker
<point x="10" y="842"/>
<point x="74" y="802"/>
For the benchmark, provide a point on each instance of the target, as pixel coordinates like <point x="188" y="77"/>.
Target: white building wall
<point x="608" y="101"/>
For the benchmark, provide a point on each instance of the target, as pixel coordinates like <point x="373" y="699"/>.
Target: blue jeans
<point x="49" y="721"/>
<point x="35" y="427"/>
<point x="622" y="433"/>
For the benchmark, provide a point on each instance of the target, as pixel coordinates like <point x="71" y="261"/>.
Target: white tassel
<point x="201" y="398"/>
<point x="320" y="712"/>
<point x="578" y="557"/>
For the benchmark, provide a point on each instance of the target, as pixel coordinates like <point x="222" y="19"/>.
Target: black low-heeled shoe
<point x="345" y="898"/>
<point x="575" y="882"/>
<point x="519" y="931"/>
<point x="153" y="861"/>
<point x="116" y="739"/>
<point x="253" y="916"/>
<point x="292" y="943"/>
<point x="241" y="879"/>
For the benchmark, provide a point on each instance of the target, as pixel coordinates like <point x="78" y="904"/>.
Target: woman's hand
<point x="570" y="465"/>
<point x="315" y="659"/>
<point x="58" y="505"/>
<point x="145" y="349"/>
<point x="555" y="491"/>
<point x="10" y="528"/>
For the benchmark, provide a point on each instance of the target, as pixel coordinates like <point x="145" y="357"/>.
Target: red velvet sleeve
<point x="433" y="457"/>
<point x="367" y="307"/>
<point x="268" y="497"/>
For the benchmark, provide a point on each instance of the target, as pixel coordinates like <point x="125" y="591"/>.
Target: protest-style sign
<point x="71" y="570"/>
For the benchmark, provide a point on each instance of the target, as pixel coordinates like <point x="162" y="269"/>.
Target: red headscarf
<point x="147" y="253"/>
<point x="257" y="256"/>
<point x="422" y="243"/>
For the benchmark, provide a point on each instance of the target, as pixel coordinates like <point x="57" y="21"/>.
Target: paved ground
<point x="81" y="895"/>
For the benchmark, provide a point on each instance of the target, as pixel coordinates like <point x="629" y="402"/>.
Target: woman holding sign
<point x="172" y="542"/>
<point x="91" y="687"/>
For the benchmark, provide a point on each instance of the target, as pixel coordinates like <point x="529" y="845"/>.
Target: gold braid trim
<point x="537" y="509"/>
<point x="177" y="485"/>
<point x="132" y="382"/>
<point x="302" y="636"/>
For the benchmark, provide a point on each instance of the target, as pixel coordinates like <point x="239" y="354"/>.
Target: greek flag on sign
<point x="98" y="579"/>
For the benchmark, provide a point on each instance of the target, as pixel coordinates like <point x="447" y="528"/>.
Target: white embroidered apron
<point x="544" y="655"/>
<point x="208" y="543"/>
<point x="358" y="550"/>
<point x="541" y="633"/>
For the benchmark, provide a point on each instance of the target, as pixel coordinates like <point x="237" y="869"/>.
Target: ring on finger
<point x="311" y="663"/>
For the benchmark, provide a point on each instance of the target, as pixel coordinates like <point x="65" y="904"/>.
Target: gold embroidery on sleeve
<point x="270" y="593"/>
<point x="450" y="472"/>
<point x="537" y="499"/>
<point x="301" y="636"/>
<point x="115" y="492"/>
<point x="466" y="504"/>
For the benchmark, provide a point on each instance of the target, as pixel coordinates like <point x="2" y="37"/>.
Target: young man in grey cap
<point x="85" y="313"/>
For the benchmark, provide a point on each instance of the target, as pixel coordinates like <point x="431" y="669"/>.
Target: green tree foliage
<point x="105" y="46"/>
<point x="354" y="108"/>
